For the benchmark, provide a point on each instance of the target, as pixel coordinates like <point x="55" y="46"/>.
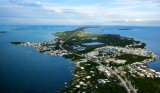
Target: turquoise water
<point x="24" y="70"/>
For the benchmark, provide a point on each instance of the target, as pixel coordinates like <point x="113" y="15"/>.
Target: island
<point x="3" y="32"/>
<point x="105" y="63"/>
<point x="125" y="29"/>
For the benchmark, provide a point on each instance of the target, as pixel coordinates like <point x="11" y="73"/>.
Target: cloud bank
<point x="79" y="12"/>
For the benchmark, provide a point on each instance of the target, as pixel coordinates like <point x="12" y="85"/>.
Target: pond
<point x="92" y="43"/>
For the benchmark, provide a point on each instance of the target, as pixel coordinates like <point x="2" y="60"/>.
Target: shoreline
<point x="85" y="59"/>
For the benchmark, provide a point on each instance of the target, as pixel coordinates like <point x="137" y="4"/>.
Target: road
<point x="76" y="31"/>
<point x="125" y="82"/>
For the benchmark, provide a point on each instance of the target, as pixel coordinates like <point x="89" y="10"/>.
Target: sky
<point x="80" y="12"/>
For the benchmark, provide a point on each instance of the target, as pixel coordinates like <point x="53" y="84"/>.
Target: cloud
<point x="139" y="3"/>
<point x="144" y="20"/>
<point x="108" y="11"/>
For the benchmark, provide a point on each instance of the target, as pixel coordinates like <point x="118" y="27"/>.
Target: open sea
<point x="24" y="70"/>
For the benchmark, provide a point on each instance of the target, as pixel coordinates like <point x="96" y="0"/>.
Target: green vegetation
<point x="131" y="58"/>
<point x="74" y="57"/>
<point x="82" y="37"/>
<point x="16" y="43"/>
<point x="92" y="84"/>
<point x="87" y="76"/>
<point x="147" y="85"/>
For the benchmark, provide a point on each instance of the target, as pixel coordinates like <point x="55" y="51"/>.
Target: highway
<point x="125" y="82"/>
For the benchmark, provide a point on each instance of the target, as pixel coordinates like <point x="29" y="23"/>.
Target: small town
<point x="109" y="61"/>
<point x="79" y="46"/>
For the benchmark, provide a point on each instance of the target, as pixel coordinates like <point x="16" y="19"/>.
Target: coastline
<point x="62" y="53"/>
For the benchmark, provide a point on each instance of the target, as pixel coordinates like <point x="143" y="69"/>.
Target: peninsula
<point x="105" y="63"/>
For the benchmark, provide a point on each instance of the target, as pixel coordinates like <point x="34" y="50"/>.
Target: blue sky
<point x="80" y="12"/>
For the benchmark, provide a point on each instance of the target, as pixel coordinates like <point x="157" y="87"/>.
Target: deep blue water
<point x="24" y="70"/>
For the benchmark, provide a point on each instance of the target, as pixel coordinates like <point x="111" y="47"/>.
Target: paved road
<point x="76" y="31"/>
<point x="129" y="84"/>
<point x="126" y="83"/>
<point x="123" y="82"/>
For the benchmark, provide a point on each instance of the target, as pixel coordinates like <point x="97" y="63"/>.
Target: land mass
<point x="125" y="29"/>
<point x="106" y="63"/>
<point x="3" y="32"/>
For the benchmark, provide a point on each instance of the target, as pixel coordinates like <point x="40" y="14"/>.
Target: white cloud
<point x="140" y="3"/>
<point x="144" y="20"/>
<point x="115" y="11"/>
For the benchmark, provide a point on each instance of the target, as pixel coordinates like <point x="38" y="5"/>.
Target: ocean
<point x="24" y="70"/>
